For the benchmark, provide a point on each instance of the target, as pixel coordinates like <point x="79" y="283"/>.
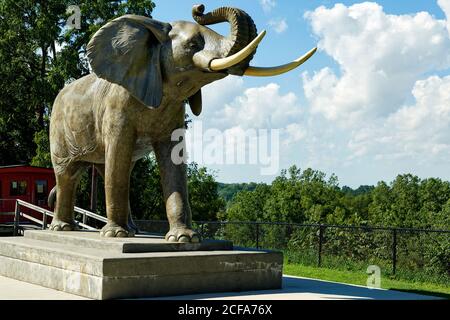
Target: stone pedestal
<point x="83" y="263"/>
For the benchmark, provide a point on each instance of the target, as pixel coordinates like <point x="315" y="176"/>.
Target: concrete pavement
<point x="294" y="288"/>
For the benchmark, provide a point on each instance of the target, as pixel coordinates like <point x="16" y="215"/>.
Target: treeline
<point x="308" y="196"/>
<point x="296" y="196"/>
<point x="228" y="190"/>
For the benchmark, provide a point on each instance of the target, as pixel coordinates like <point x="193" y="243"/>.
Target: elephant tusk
<point x="274" y="71"/>
<point x="225" y="63"/>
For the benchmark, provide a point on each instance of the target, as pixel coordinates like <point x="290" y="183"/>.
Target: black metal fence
<point x="421" y="254"/>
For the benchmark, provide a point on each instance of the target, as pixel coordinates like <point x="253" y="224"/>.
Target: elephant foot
<point x="112" y="230"/>
<point x="182" y="234"/>
<point x="58" y="225"/>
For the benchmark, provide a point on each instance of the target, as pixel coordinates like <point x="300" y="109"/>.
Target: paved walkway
<point x="294" y="288"/>
<point x="11" y="289"/>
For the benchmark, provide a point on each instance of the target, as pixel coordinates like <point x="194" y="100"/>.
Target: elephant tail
<point x="52" y="198"/>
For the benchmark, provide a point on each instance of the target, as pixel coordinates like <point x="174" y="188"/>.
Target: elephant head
<point x="154" y="60"/>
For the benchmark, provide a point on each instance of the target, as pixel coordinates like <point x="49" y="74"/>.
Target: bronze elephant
<point x="143" y="72"/>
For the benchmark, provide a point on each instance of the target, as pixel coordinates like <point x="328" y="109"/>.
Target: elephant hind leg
<point x="66" y="187"/>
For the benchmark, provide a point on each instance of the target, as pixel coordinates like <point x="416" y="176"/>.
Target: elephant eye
<point x="197" y="43"/>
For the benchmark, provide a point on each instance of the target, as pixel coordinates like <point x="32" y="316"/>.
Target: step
<point x="78" y="263"/>
<point x="139" y="243"/>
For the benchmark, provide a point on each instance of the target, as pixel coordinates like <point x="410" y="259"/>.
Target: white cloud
<point x="218" y="93"/>
<point x="263" y="108"/>
<point x="420" y="131"/>
<point x="278" y="25"/>
<point x="445" y="6"/>
<point x="267" y="5"/>
<point x="380" y="56"/>
<point x="246" y="126"/>
<point x="232" y="108"/>
<point x="294" y="132"/>
<point x="385" y="63"/>
<point x="227" y="103"/>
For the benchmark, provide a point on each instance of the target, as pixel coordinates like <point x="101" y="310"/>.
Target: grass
<point x="360" y="278"/>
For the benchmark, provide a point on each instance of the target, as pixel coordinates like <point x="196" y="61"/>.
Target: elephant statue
<point x="144" y="73"/>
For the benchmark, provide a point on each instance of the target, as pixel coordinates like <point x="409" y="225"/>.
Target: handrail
<point x="46" y="213"/>
<point x="90" y="214"/>
<point x="34" y="207"/>
<point x="86" y="226"/>
<point x="31" y="218"/>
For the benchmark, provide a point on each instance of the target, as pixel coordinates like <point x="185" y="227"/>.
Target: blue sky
<point x="372" y="103"/>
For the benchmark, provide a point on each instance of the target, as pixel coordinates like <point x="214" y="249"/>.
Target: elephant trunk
<point x="243" y="31"/>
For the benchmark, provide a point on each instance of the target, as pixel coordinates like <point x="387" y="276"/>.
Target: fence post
<point x="394" y="251"/>
<point x="257" y="235"/>
<point x="16" y="219"/>
<point x="44" y="221"/>
<point x="202" y="231"/>
<point x="319" y="255"/>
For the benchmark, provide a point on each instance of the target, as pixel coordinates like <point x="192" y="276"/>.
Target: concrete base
<point x="84" y="264"/>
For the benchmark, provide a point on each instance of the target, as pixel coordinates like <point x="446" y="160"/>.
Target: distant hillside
<point x="228" y="190"/>
<point x="356" y="192"/>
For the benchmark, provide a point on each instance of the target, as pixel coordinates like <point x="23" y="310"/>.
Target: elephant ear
<point x="195" y="102"/>
<point x="126" y="51"/>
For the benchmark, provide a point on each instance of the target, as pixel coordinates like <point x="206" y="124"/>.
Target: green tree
<point x="381" y="204"/>
<point x="229" y="190"/>
<point x="433" y="197"/>
<point x="42" y="157"/>
<point x="249" y="205"/>
<point x="302" y="196"/>
<point x="284" y="202"/>
<point x="246" y="206"/>
<point x="145" y="190"/>
<point x="33" y="70"/>
<point x="406" y="205"/>
<point x="27" y="30"/>
<point x="410" y="202"/>
<point x="205" y="202"/>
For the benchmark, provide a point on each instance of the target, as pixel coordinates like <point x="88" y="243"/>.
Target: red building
<point x="30" y="184"/>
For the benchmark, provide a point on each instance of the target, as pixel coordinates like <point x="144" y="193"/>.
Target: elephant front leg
<point x="131" y="225"/>
<point x="117" y="187"/>
<point x="174" y="185"/>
